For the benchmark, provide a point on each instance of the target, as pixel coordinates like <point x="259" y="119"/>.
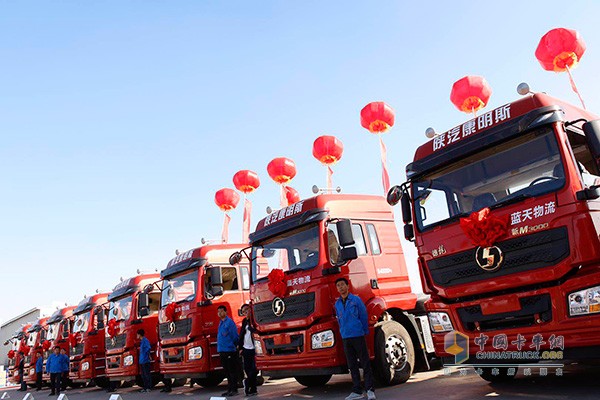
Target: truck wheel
<point x="179" y="382"/>
<point x="394" y="354"/>
<point x="501" y="375"/>
<point x="312" y="380"/>
<point x="128" y="384"/>
<point x="210" y="381"/>
<point x="75" y="385"/>
<point x="260" y="380"/>
<point x="102" y="383"/>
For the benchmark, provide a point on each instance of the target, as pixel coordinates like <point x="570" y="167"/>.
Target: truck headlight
<point x="322" y="340"/>
<point x="440" y="322"/>
<point x="86" y="365"/>
<point x="127" y="361"/>
<point x="258" y="347"/>
<point x="586" y="301"/>
<point x="195" y="353"/>
<point x="32" y="371"/>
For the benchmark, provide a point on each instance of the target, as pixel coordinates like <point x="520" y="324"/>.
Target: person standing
<point x="227" y="338"/>
<point x="64" y="367"/>
<point x="39" y="371"/>
<point x="144" y="360"/>
<point x="53" y="367"/>
<point x="21" y="368"/>
<point x="248" y="352"/>
<point x="352" y="318"/>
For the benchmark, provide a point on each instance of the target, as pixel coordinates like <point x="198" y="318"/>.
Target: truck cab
<point x="194" y="284"/>
<point x="88" y="354"/>
<point x="313" y="243"/>
<point x="60" y="325"/>
<point x="18" y="343"/>
<point x="505" y="213"/>
<point x="125" y="318"/>
<point x="35" y="341"/>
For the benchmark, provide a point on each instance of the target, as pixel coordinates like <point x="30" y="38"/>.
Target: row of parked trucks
<point x="533" y="162"/>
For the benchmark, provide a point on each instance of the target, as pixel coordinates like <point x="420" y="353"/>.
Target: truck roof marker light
<point x="430" y="133"/>
<point x="269" y="210"/>
<point x="523" y="89"/>
<point x="318" y="190"/>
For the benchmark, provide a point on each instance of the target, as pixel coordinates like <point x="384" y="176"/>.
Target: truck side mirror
<point x="348" y="253"/>
<point x="406" y="212"/>
<point x="100" y="317"/>
<point x="216" y="281"/>
<point x="409" y="232"/>
<point x="65" y="332"/>
<point x="591" y="129"/>
<point x="143" y="304"/>
<point x="394" y="195"/>
<point x="344" y="229"/>
<point x="235" y="258"/>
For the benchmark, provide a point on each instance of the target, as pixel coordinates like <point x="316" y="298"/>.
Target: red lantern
<point x="282" y="170"/>
<point x="328" y="150"/>
<point x="377" y="117"/>
<point x="292" y="196"/>
<point x="227" y="199"/>
<point x="246" y="181"/>
<point x="560" y="49"/>
<point x="470" y="94"/>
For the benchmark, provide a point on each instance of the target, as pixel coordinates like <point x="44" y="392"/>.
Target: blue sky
<point x="120" y="119"/>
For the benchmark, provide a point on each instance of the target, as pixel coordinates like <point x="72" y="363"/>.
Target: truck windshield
<point x="120" y="310"/>
<point x="53" y="331"/>
<point x="82" y="322"/>
<point x="179" y="288"/>
<point x="32" y="338"/>
<point x="527" y="166"/>
<point x="293" y="250"/>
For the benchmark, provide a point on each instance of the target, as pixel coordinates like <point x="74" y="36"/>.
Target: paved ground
<point x="576" y="382"/>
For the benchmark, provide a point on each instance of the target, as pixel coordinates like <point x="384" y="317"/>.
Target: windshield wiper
<point x="510" y="200"/>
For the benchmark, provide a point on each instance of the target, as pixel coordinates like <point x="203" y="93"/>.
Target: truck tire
<point x="260" y="380"/>
<point x="179" y="382"/>
<point x="210" y="381"/>
<point x="394" y="354"/>
<point x="501" y="376"/>
<point x="312" y="380"/>
<point x="102" y="383"/>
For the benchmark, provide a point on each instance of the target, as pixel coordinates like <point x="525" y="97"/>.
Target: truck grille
<point x="182" y="327"/>
<point x="113" y="362"/>
<point x="115" y="343"/>
<point x="537" y="250"/>
<point x="533" y="308"/>
<point x="295" y="346"/>
<point x="299" y="306"/>
<point x="173" y="355"/>
<point x="77" y="350"/>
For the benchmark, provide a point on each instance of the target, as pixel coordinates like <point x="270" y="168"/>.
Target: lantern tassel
<point x="225" y="232"/>
<point x="283" y="198"/>
<point x="574" y="87"/>
<point x="329" y="178"/>
<point x="385" y="177"/>
<point x="246" y="222"/>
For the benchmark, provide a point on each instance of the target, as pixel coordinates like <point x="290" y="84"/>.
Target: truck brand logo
<point x="172" y="328"/>
<point x="489" y="258"/>
<point x="278" y="307"/>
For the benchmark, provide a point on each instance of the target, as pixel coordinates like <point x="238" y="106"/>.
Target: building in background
<point x="8" y="329"/>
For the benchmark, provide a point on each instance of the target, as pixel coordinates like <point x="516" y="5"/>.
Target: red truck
<point x="35" y="341"/>
<point x="315" y="242"/>
<point x="60" y="325"/>
<point x="88" y="354"/>
<point x="17" y="343"/>
<point x="194" y="284"/>
<point x="519" y="281"/>
<point x="126" y="315"/>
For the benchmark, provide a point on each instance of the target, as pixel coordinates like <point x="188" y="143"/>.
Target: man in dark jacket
<point x="352" y="318"/>
<point x="39" y="370"/>
<point x="65" y="363"/>
<point x="246" y="345"/>
<point x="227" y="339"/>
<point x="21" y="368"/>
<point x="145" y="360"/>
<point x="54" y="368"/>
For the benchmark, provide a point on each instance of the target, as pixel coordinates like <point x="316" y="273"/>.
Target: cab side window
<point x="154" y="302"/>
<point x="230" y="278"/>
<point x="333" y="241"/>
<point x="373" y="239"/>
<point x="584" y="159"/>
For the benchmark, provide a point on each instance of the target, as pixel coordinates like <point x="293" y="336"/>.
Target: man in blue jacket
<point x="352" y="318"/>
<point x="227" y="338"/>
<point x="39" y="370"/>
<point x="144" y="360"/>
<point x="54" y="368"/>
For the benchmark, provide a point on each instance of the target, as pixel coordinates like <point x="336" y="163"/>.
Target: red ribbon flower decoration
<point x="113" y="328"/>
<point x="277" y="284"/>
<point x="46" y="345"/>
<point x="11" y="354"/>
<point x="483" y="229"/>
<point x="170" y="312"/>
<point x="24" y="348"/>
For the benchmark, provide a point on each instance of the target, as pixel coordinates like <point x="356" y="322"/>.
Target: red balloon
<point x="292" y="196"/>
<point x="227" y="199"/>
<point x="246" y="181"/>
<point x="281" y="170"/>
<point x="328" y="149"/>
<point x="560" y="48"/>
<point x="470" y="94"/>
<point x="377" y="117"/>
